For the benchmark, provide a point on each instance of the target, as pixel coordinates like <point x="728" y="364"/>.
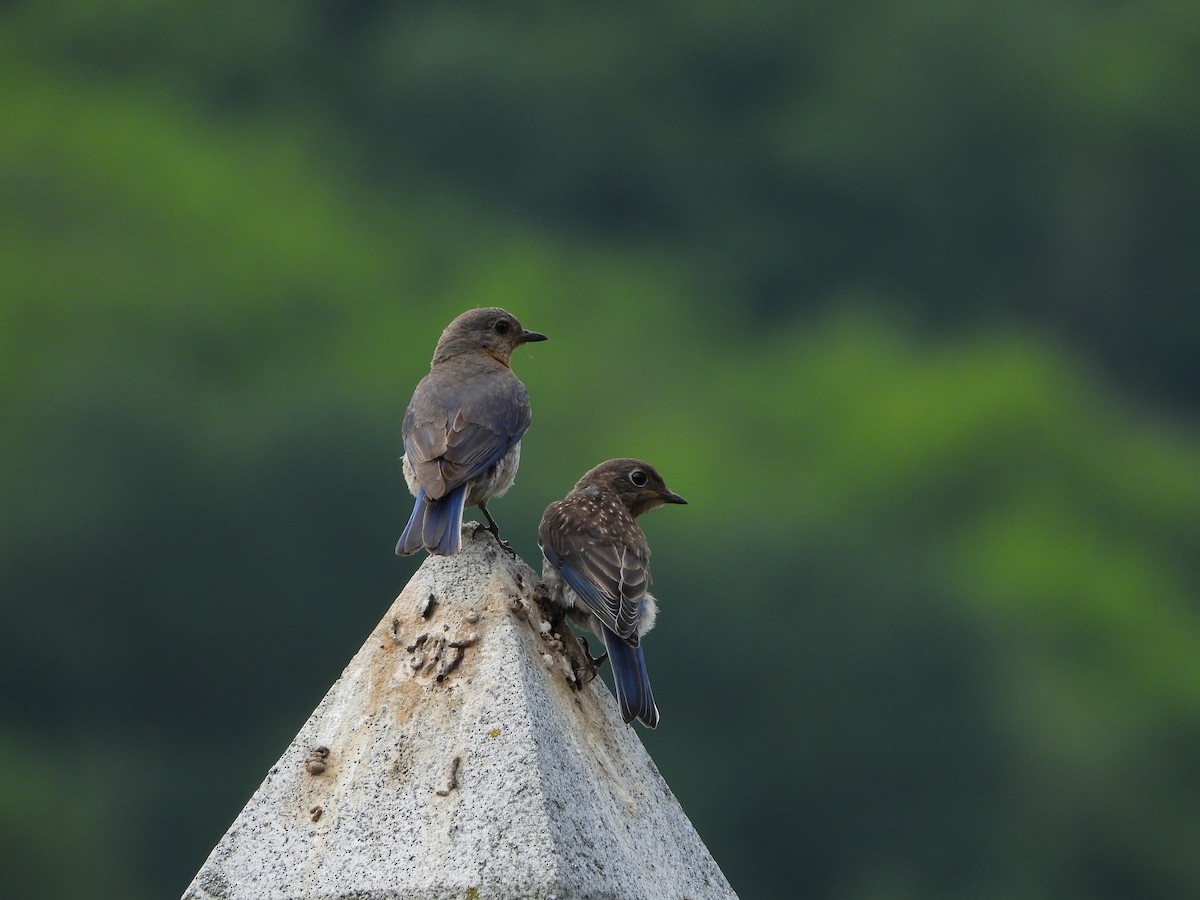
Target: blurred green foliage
<point x="903" y="299"/>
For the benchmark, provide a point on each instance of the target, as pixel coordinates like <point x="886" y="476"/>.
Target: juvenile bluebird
<point x="463" y="428"/>
<point x="597" y="567"/>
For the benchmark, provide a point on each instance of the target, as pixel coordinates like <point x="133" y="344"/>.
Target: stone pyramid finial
<point x="453" y="758"/>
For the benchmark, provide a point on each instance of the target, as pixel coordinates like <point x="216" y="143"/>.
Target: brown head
<point x="490" y="330"/>
<point x="636" y="482"/>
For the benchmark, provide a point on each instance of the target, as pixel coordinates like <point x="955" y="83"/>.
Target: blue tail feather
<point x="435" y="525"/>
<point x="631" y="680"/>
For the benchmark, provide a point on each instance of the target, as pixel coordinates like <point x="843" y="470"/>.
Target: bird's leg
<point x="596" y="661"/>
<point x="492" y="526"/>
<point x="495" y="529"/>
<point x="576" y="650"/>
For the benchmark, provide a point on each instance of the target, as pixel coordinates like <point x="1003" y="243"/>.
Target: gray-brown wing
<point x="454" y="431"/>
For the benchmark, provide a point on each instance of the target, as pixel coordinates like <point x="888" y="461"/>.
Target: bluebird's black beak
<point x="671" y="497"/>
<point x="529" y="337"/>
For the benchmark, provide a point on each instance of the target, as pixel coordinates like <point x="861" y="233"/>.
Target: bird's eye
<point x="501" y="326"/>
<point x="638" y="477"/>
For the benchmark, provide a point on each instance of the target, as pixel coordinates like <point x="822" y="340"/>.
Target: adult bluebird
<point x="463" y="428"/>
<point x="597" y="567"/>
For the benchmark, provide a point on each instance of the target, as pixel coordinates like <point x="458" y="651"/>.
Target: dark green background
<point x="903" y="297"/>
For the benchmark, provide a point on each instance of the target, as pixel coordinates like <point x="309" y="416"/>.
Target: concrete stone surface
<point x="454" y="758"/>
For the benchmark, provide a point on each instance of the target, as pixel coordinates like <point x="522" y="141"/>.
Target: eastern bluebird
<point x="597" y="567"/>
<point x="462" y="430"/>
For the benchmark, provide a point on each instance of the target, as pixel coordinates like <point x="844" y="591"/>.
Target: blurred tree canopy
<point x="902" y="298"/>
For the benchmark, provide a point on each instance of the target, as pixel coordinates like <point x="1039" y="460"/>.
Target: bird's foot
<point x="495" y="530"/>
<point x="596" y="661"/>
<point x="502" y="544"/>
<point x="583" y="664"/>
